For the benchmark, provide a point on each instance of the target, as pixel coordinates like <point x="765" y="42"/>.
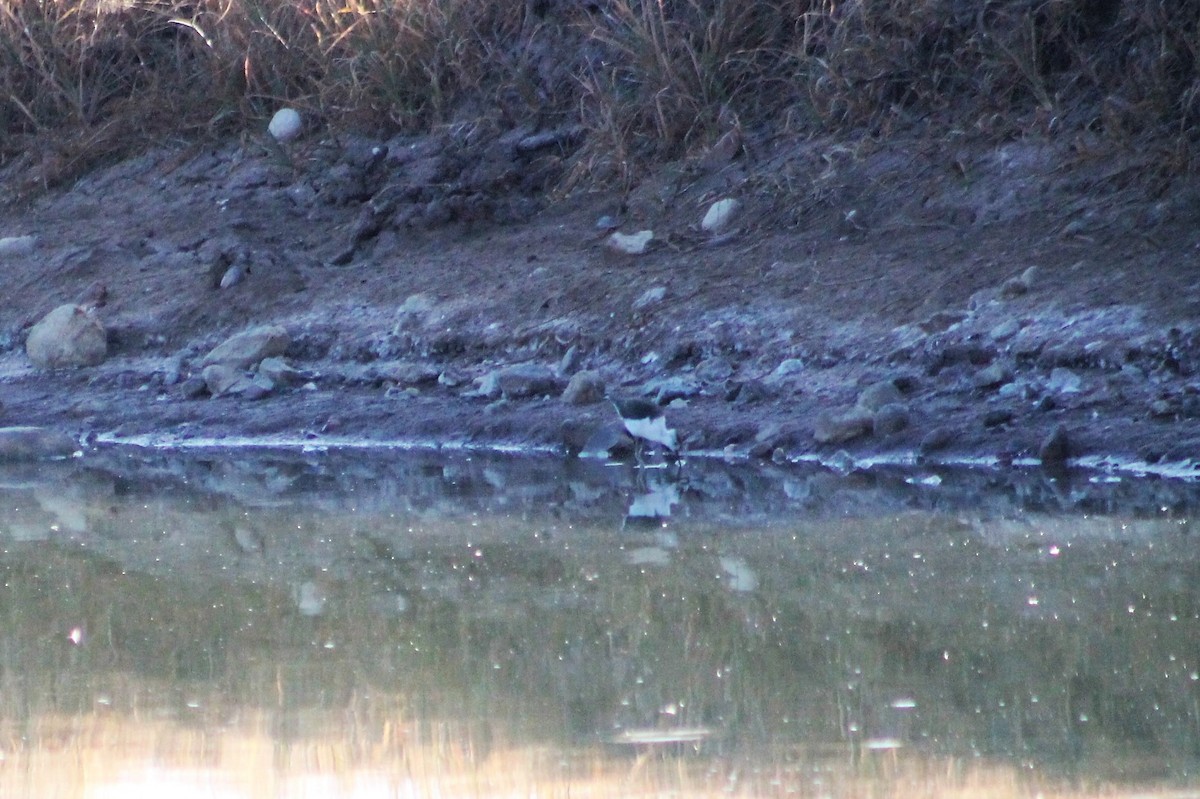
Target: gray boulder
<point x="247" y="348"/>
<point x="67" y="336"/>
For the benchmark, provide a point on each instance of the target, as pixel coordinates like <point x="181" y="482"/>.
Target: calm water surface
<point x="410" y="625"/>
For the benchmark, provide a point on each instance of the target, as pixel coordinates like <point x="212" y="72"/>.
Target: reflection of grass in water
<point x="487" y="638"/>
<point x="103" y="755"/>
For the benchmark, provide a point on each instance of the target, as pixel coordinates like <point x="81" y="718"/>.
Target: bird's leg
<point x="637" y="451"/>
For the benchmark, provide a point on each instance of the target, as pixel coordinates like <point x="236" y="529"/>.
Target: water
<point x="365" y="624"/>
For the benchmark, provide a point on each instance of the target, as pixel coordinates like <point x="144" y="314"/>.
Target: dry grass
<point x="83" y="79"/>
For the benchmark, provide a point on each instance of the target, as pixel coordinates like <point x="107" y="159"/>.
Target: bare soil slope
<point x="1003" y="292"/>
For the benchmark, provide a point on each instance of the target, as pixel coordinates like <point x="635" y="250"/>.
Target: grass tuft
<point x="649" y="79"/>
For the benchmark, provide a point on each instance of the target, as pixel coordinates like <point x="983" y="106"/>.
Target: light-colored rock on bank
<point x="67" y="336"/>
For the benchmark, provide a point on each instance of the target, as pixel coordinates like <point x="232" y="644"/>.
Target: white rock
<point x="720" y="215"/>
<point x="651" y="296"/>
<point x="67" y="336"/>
<point x="285" y="125"/>
<point x="16" y="246"/>
<point x="631" y="243"/>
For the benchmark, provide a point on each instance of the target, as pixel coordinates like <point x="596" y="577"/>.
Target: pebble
<point x="891" y="419"/>
<point x="835" y="429"/>
<point x="285" y="125"/>
<point x="997" y="417"/>
<point x="937" y="439"/>
<point x="877" y="395"/>
<point x="17" y="246"/>
<point x="720" y="215"/>
<point x="630" y="243"/>
<point x="1056" y="448"/>
<point x="584" y="388"/>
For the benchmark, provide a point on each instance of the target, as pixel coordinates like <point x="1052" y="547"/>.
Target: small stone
<point x="749" y="392"/>
<point x="1161" y="409"/>
<point x="280" y="372"/>
<point x="285" y="125"/>
<point x="1056" y="448"/>
<point x="786" y="368"/>
<point x="994" y="376"/>
<point x="937" y="439"/>
<point x="1064" y="381"/>
<point x="193" y="387"/>
<point x="997" y="417"/>
<point x="527" y="380"/>
<point x="649" y="297"/>
<point x="67" y="336"/>
<point x="221" y="379"/>
<point x="17" y="246"/>
<point x="877" y="395"/>
<point x="720" y="215"/>
<point x="584" y="388"/>
<point x="835" y="429"/>
<point x="630" y="244"/>
<point x="1005" y="330"/>
<point x="891" y="419"/>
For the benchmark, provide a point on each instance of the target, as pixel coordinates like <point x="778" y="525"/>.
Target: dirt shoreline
<point x="965" y="304"/>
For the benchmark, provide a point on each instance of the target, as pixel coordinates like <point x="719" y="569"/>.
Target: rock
<point x="280" y="373"/>
<point x="1017" y="286"/>
<point x="17" y="246"/>
<point x="193" y="387"/>
<point x="247" y="348"/>
<point x="993" y="376"/>
<point x="651" y="296"/>
<point x="720" y="215"/>
<point x="1064" y="381"/>
<point x="576" y="434"/>
<point x="1005" y="330"/>
<point x="221" y="379"/>
<point x="997" y="417"/>
<point x="255" y="387"/>
<point x="876" y="395"/>
<point x="67" y="336"/>
<point x="937" y="439"/>
<point x="93" y="297"/>
<point x="35" y="443"/>
<point x="584" y="388"/>
<point x="1056" y="448"/>
<point x="527" y="380"/>
<point x="630" y="244"/>
<point x="285" y="125"/>
<point x="749" y="392"/>
<point x="890" y="419"/>
<point x="786" y="368"/>
<point x="835" y="429"/>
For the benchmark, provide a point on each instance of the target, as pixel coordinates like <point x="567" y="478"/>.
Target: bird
<point x="644" y="420"/>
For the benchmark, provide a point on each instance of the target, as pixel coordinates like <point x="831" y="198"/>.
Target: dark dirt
<point x="405" y="281"/>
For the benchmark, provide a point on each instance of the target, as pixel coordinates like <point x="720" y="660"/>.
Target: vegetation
<point x="82" y="79"/>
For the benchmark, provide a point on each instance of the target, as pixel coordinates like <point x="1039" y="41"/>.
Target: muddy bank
<point x="433" y="290"/>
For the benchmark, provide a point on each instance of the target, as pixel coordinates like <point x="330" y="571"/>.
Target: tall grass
<point x="648" y="78"/>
